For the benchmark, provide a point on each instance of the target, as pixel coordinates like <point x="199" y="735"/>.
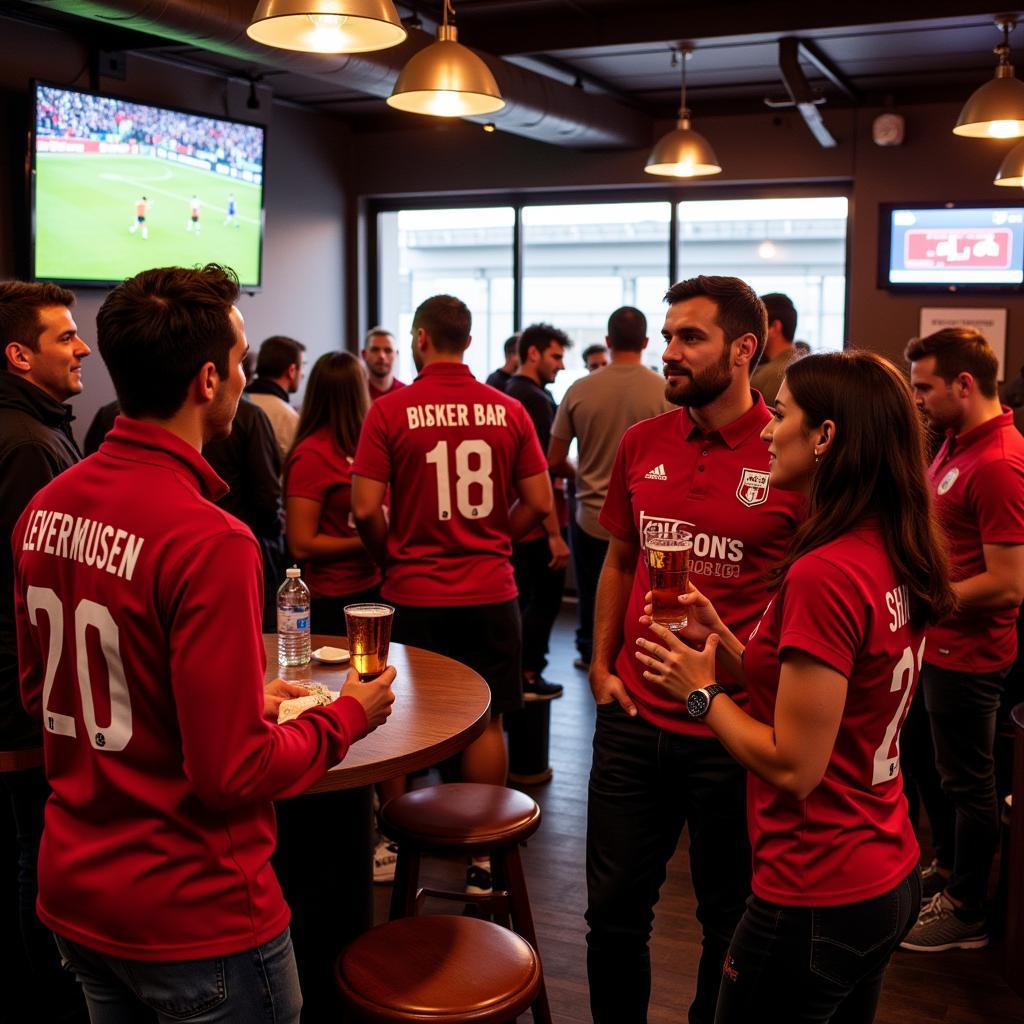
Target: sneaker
<point x="933" y="881"/>
<point x="938" y="928"/>
<point x="385" y="856"/>
<point x="581" y="664"/>
<point x="478" y="881"/>
<point x="538" y="688"/>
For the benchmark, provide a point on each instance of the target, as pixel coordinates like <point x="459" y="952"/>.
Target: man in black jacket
<point x="42" y="369"/>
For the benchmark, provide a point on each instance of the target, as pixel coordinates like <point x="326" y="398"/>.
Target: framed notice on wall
<point x="991" y="323"/>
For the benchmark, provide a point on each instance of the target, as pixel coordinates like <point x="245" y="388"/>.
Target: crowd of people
<point x="840" y="585"/>
<point x="62" y="113"/>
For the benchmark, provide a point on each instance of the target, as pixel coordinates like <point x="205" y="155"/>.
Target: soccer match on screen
<point x="121" y="186"/>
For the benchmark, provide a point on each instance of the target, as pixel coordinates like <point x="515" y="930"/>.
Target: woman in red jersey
<point x="830" y="671"/>
<point x="318" y="491"/>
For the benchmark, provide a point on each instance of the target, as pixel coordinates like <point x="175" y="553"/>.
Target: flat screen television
<point x="951" y="246"/>
<point x="117" y="187"/>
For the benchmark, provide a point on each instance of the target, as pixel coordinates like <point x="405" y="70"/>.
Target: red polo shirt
<point x="716" y="484"/>
<point x="375" y="392"/>
<point x="978" y="479"/>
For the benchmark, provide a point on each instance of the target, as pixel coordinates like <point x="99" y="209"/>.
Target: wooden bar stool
<point x="469" y="819"/>
<point x="438" y="969"/>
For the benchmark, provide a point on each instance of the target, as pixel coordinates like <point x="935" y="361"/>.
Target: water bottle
<point x="293" y="620"/>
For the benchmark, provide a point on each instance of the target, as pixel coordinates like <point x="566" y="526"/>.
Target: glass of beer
<point x="668" y="560"/>
<point x="369" y="636"/>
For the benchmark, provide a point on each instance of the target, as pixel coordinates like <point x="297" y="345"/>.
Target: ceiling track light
<point x="683" y="152"/>
<point x="327" y="26"/>
<point x="996" y="109"/>
<point x="446" y="79"/>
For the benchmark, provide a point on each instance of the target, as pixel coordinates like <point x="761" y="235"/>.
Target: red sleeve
<point x="373" y="456"/>
<point x="997" y="496"/>
<point x="308" y="475"/>
<point x="231" y="754"/>
<point x="31" y="662"/>
<point x="530" y="460"/>
<point x="822" y="614"/>
<point x="617" y="514"/>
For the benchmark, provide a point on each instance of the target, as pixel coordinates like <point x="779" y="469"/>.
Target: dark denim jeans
<point x="254" y="986"/>
<point x="963" y="708"/>
<point x="645" y="785"/>
<point x="587" y="560"/>
<point x="814" y="965"/>
<point x="540" y="598"/>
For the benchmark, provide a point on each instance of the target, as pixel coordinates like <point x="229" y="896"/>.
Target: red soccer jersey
<point x="375" y="392"/>
<point x="716" y="486"/>
<point x="978" y="479"/>
<point x="317" y="469"/>
<point x="851" y="839"/>
<point x="452" y="450"/>
<point x="138" y="608"/>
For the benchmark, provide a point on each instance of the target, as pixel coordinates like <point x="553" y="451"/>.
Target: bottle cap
<point x="293" y="573"/>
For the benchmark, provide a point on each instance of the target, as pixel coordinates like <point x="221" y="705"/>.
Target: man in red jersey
<point x="379" y="358"/>
<point x="452" y="450"/>
<point x="655" y="769"/>
<point x="138" y="607"/>
<point x="978" y="476"/>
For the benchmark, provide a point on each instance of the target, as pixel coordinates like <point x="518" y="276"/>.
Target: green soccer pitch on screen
<point x="118" y="187"/>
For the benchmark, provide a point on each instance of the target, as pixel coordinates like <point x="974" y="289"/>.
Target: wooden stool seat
<point x="438" y="969"/>
<point x="460" y="815"/>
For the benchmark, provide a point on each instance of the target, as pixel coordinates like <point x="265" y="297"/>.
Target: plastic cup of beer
<point x="668" y="562"/>
<point x="369" y="636"/>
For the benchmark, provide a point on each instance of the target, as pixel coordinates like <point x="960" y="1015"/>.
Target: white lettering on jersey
<point x="454" y="414"/>
<point x="898" y="603"/>
<point x="84" y="540"/>
<point x="713" y="555"/>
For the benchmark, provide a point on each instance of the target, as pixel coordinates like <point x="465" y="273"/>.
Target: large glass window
<point x="464" y="252"/>
<point x="582" y="261"/>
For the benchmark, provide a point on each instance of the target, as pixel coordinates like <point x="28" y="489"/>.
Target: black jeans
<point x="921" y="782"/>
<point x="587" y="559"/>
<point x="51" y="992"/>
<point x="963" y="708"/>
<point x="540" y="598"/>
<point x="645" y="785"/>
<point x="814" y="965"/>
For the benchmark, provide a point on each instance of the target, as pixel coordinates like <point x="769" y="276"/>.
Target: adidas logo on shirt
<point x="658" y="473"/>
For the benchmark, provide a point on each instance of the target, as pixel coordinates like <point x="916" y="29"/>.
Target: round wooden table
<point x="324" y="855"/>
<point x="440" y="707"/>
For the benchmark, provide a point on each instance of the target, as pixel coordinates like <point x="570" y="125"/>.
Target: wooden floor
<point x="952" y="988"/>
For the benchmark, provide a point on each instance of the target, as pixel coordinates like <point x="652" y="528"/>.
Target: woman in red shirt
<point x="318" y="490"/>
<point x="830" y="670"/>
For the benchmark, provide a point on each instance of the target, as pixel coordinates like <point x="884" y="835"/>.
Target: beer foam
<point x="369" y="611"/>
<point x="670" y="543"/>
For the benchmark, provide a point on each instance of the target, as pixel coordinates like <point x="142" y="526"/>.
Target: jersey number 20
<point x="465" y="476"/>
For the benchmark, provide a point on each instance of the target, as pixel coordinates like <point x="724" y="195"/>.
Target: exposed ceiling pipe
<point x="537" y="107"/>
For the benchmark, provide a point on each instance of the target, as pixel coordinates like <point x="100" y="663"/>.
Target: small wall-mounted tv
<point x="951" y="246"/>
<point x="117" y="187"/>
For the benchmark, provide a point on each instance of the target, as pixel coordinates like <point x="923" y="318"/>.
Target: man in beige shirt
<point x="597" y="410"/>
<point x="778" y="348"/>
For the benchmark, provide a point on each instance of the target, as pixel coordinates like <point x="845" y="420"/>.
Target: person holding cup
<point x="830" y="670"/>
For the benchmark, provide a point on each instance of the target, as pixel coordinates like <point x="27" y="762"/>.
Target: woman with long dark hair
<point x="318" y="490"/>
<point x="829" y="671"/>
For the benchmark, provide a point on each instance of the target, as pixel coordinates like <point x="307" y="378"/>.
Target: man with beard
<point x="379" y="355"/>
<point x="704" y="468"/>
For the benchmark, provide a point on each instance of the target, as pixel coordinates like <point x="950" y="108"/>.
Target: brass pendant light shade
<point x="1011" y="170"/>
<point x="996" y="110"/>
<point x="683" y="152"/>
<point x="446" y="79"/>
<point x="327" y="26"/>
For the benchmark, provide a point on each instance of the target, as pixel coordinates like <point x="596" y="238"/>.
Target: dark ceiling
<point x="878" y="51"/>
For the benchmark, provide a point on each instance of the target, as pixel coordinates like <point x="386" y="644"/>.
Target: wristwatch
<point x="699" y="701"/>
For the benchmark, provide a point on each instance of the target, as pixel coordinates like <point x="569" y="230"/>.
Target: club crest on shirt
<point x="948" y="480"/>
<point x="753" y="487"/>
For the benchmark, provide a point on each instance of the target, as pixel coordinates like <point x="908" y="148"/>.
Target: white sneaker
<point x="385" y="856"/>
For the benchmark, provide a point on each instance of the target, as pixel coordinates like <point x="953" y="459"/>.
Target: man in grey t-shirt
<point x="598" y="409"/>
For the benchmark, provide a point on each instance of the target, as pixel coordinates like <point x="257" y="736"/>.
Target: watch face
<point x="697" y="703"/>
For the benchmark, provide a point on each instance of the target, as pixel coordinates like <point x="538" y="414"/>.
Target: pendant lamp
<point x="996" y="110"/>
<point x="683" y="153"/>
<point x="1011" y="170"/>
<point x="327" y="26"/>
<point x="446" y="79"/>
